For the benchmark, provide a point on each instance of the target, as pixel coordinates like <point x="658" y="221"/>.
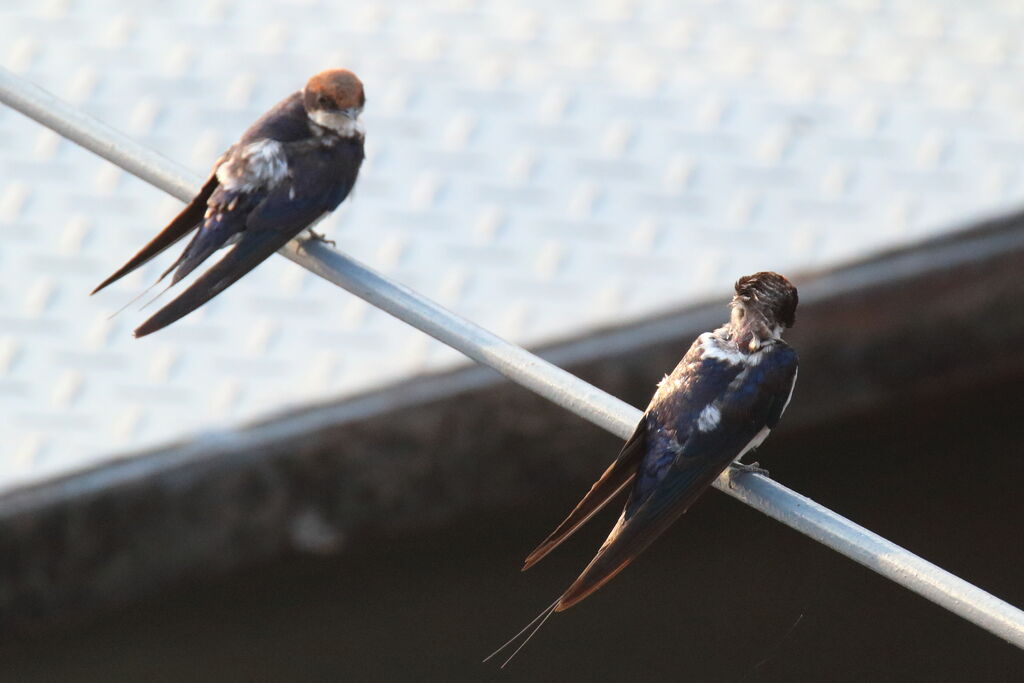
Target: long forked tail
<point x="249" y="252"/>
<point x="149" y="289"/>
<point x="615" y="479"/>
<point x="530" y="630"/>
<point x="185" y="222"/>
<point x="135" y="298"/>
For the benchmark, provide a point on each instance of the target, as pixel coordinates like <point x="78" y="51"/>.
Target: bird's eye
<point x="324" y="102"/>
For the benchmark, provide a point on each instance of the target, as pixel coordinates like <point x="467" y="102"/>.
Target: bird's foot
<point x="752" y="468"/>
<point x="315" y="236"/>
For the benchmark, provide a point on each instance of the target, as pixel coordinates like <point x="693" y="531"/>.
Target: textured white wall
<point x="540" y="167"/>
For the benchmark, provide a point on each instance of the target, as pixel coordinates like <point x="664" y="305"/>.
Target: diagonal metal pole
<point x="521" y="366"/>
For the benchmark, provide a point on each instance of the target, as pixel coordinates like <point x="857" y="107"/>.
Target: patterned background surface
<point x="541" y="168"/>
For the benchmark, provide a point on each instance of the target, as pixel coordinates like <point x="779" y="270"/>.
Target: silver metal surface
<point x="775" y="500"/>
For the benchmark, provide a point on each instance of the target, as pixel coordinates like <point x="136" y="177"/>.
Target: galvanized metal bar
<point x="541" y="377"/>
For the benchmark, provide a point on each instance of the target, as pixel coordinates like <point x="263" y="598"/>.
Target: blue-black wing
<point x="683" y="459"/>
<point x="684" y="388"/>
<point x="320" y="179"/>
<point x="285" y="122"/>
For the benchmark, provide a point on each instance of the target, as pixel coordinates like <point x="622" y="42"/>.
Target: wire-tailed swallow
<point x="293" y="166"/>
<point x="721" y="401"/>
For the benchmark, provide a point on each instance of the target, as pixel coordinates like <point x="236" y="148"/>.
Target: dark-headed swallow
<point x="293" y="166"/>
<point x="721" y="401"/>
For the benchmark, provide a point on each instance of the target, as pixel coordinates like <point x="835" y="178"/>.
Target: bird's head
<point x="334" y="99"/>
<point x="764" y="305"/>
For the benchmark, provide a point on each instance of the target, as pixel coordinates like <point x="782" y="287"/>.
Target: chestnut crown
<point x="334" y="90"/>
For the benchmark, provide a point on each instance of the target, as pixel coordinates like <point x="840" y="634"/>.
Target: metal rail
<point x="520" y="366"/>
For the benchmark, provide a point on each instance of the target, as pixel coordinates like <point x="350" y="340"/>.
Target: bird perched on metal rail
<point x="293" y="166"/>
<point x="721" y="401"/>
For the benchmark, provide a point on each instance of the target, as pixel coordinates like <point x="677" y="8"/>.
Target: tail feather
<point x="253" y="248"/>
<point x="542" y="618"/>
<point x="603" y="568"/>
<point x="183" y="223"/>
<point x="614" y="480"/>
<point x="637" y="529"/>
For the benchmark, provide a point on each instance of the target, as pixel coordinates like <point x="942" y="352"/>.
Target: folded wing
<point x="286" y="210"/>
<point x="671" y="479"/>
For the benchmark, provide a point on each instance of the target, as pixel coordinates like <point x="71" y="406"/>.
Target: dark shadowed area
<point x="726" y="595"/>
<point x="379" y="537"/>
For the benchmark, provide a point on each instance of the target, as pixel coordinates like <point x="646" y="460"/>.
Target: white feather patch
<point x="259" y="164"/>
<point x="718" y="349"/>
<point x="709" y="418"/>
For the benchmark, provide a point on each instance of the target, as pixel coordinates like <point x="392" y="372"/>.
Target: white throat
<point x="342" y="124"/>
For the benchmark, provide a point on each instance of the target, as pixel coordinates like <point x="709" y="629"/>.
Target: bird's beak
<point x="353" y="112"/>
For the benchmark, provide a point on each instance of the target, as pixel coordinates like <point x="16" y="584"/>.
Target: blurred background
<point x="290" y="484"/>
